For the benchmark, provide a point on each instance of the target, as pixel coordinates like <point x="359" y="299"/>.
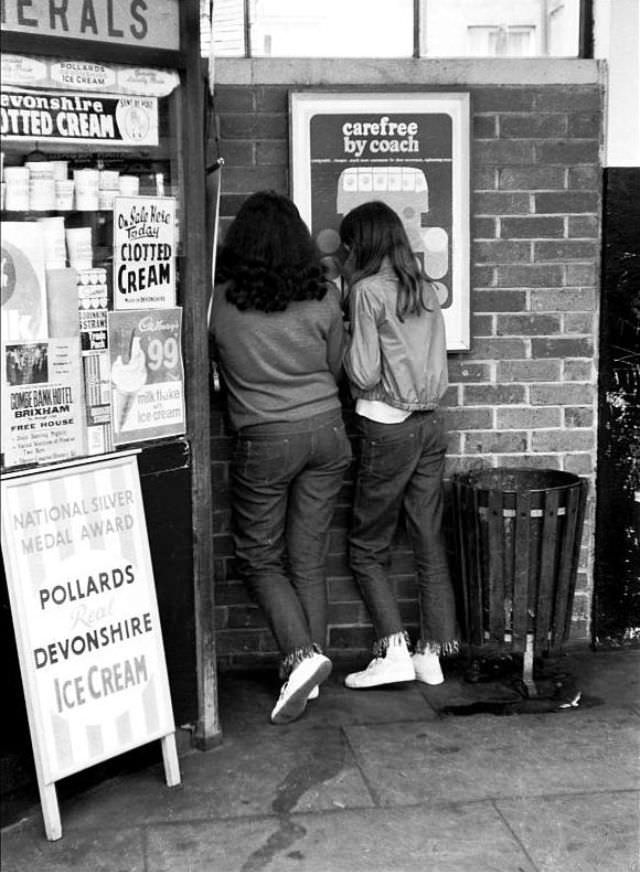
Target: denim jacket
<point x="402" y="363"/>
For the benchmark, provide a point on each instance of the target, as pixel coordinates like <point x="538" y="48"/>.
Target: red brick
<point x="545" y="461"/>
<point x="565" y="249"/>
<point x="250" y="179"/>
<point x="567" y="201"/>
<point x="492" y="442"/>
<point x="579" y="464"/>
<point x="246" y="616"/>
<point x="560" y="394"/>
<point x="499" y="301"/>
<point x="450" y="397"/>
<point x="562" y="440"/>
<point x="485" y="180"/>
<point x="483" y="228"/>
<point x="530" y="276"/>
<point x="578" y="370"/>
<point x="526" y="418"/>
<point x="238" y="154"/>
<point x="529" y="370"/>
<point x="462" y="371"/>
<point x="234" y="99"/>
<point x="220" y="617"/>
<point x="567" y="152"/>
<point x="347" y="613"/>
<point x="532" y="178"/>
<point x="584" y="125"/>
<point x="272" y="98"/>
<point x="495" y="152"/>
<point x="272" y="152"/>
<point x="353" y="638"/>
<point x="579" y="322"/>
<point x="481" y="325"/>
<point x="561" y="347"/>
<point x="223" y="546"/>
<point x="533" y="126"/>
<point x="501" y="203"/>
<point x="484" y="127"/>
<point x="531" y="227"/>
<point x="528" y="325"/>
<point x="578" y="416"/>
<point x="563" y="300"/>
<point x="501" y="251"/>
<point x="493" y="395"/>
<point x="482" y="276"/>
<point x="498" y="349"/>
<point x="232" y="593"/>
<point x="581" y="274"/>
<point x="268" y="126"/>
<point x="503" y="99"/>
<point x="221" y="448"/>
<point x="570" y="99"/>
<point x="585" y="178"/>
<point x="469" y="419"/>
<point x="586" y="226"/>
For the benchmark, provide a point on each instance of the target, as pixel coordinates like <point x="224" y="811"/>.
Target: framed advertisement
<point x="410" y="150"/>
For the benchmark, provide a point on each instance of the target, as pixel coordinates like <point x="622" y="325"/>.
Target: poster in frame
<point x="410" y="150"/>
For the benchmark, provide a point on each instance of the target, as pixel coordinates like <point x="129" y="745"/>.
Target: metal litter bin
<point x="518" y="533"/>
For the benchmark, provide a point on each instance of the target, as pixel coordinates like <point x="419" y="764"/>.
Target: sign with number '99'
<point x="147" y="374"/>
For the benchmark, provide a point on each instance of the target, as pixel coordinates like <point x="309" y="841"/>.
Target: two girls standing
<point x="279" y="338"/>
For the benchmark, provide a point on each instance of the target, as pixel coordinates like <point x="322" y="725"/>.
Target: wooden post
<point x="196" y="284"/>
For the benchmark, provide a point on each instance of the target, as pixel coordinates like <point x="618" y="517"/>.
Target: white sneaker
<point x="314" y="693"/>
<point x="382" y="670"/>
<point x="427" y="668"/>
<point x="295" y="692"/>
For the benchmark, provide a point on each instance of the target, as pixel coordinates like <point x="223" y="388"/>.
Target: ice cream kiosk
<point x="106" y="518"/>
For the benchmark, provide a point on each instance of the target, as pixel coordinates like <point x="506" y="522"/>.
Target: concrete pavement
<point x="376" y="781"/>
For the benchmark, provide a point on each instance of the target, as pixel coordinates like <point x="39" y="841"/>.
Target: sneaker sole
<point x="373" y="685"/>
<point x="297" y="702"/>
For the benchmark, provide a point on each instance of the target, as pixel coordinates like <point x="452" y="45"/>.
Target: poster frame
<point x="305" y="105"/>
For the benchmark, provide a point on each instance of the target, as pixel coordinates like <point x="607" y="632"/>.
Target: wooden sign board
<point x="85" y="614"/>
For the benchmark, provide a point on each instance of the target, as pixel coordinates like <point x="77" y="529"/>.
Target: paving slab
<point x="251" y="773"/>
<point x="598" y="832"/>
<point x="25" y="849"/>
<point x="466" y="838"/>
<point x="247" y="701"/>
<point x="486" y="757"/>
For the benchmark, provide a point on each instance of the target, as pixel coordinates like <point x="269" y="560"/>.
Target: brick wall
<point x="525" y="393"/>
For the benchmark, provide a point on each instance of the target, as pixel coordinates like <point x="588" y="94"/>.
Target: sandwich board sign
<point x="85" y="614"/>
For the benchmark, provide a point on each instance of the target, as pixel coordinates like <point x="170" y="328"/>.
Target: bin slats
<point x="496" y="555"/>
<point x="544" y="608"/>
<point x="475" y="597"/>
<point x="564" y="564"/>
<point x="521" y="570"/>
<point x="575" y="561"/>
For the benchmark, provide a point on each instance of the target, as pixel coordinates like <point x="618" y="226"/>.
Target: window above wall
<point x="397" y="28"/>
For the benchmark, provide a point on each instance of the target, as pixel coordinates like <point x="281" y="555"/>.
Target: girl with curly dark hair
<point x="278" y="336"/>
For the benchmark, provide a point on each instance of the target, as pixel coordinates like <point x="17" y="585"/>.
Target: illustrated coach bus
<point x="406" y="191"/>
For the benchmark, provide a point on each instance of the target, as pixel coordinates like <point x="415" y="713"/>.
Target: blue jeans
<point x="401" y="466"/>
<point x="286" y="479"/>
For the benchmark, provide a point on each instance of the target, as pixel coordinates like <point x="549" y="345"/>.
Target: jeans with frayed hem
<point x="401" y="467"/>
<point x="285" y="483"/>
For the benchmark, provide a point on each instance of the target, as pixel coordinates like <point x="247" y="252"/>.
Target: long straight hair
<point x="373" y="232"/>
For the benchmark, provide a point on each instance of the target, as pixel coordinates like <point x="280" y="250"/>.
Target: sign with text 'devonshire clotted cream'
<point x="84" y="607"/>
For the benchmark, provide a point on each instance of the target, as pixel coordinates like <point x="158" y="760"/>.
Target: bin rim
<point x="468" y="478"/>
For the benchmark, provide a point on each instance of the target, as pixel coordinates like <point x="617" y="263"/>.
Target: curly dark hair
<point x="268" y="256"/>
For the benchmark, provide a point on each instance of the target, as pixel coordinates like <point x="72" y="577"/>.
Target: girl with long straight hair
<point x="397" y="368"/>
<point x="278" y="336"/>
